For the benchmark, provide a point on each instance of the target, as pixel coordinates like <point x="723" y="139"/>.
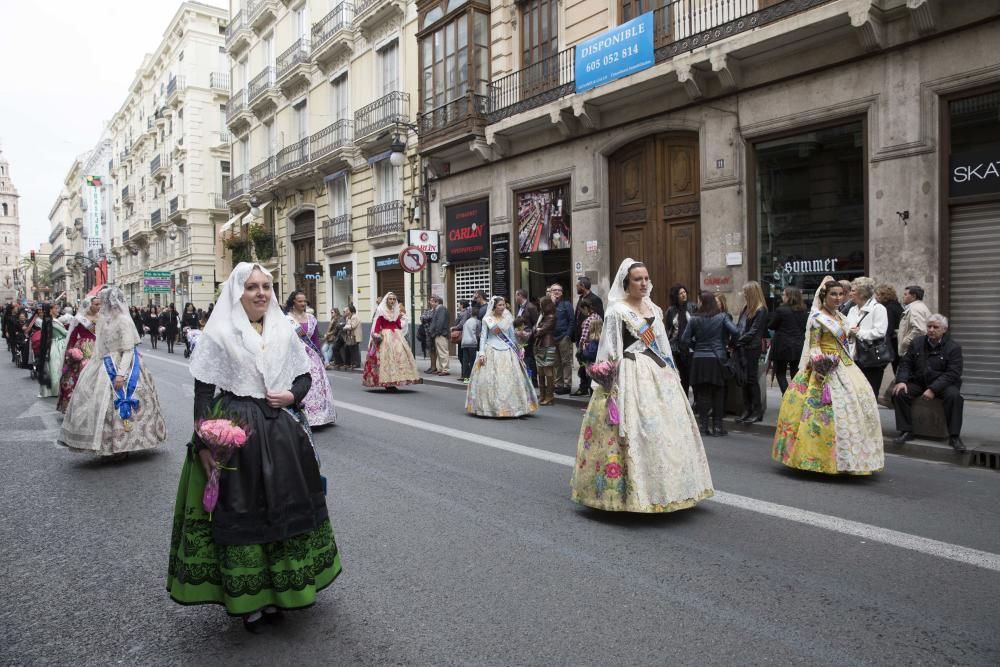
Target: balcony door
<point x="388" y="182"/>
<point x="655" y="209"/>
<point x="387" y="69"/>
<point x="304" y="249"/>
<point x="339" y="103"/>
<point x="662" y="32"/>
<point x="539" y="46"/>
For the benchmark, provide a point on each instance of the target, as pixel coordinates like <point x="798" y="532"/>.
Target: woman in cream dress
<point x="499" y="385"/>
<point x="639" y="448"/>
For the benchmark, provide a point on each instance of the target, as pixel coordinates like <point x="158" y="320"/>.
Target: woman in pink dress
<point x="318" y="403"/>
<point x="79" y="349"/>
<point x="390" y="361"/>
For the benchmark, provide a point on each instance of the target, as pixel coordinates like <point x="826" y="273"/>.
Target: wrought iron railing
<point x="261" y="173"/>
<point x="384" y="219"/>
<point x="366" y="6"/>
<point x="537" y="84"/>
<point x="337" y="230"/>
<point x="293" y="156"/>
<point x="386" y="111"/>
<point x="237" y="103"/>
<point x="174" y="84"/>
<point x="680" y="26"/>
<point x="224" y="137"/>
<point x="124" y="236"/>
<point x="155" y="217"/>
<point x="126" y="192"/>
<point x="173" y="205"/>
<point x="328" y="26"/>
<point x="260" y="84"/>
<point x="155" y="164"/>
<point x="296" y="54"/>
<point x="217" y="201"/>
<point x="237" y="186"/>
<point x="330" y="138"/>
<point x="219" y="80"/>
<point x="236" y="24"/>
<point x="454" y="112"/>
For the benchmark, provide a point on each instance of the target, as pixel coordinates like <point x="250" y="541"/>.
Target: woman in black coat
<point x="788" y="322"/>
<point x="708" y="331"/>
<point x="886" y="295"/>
<point x="189" y="321"/>
<point x="676" y="321"/>
<point x="151" y="321"/>
<point x="171" y="322"/>
<point x="752" y="325"/>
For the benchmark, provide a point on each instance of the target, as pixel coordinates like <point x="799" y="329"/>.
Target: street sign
<point x="427" y="240"/>
<point x="157" y="282"/>
<point x="412" y="259"/>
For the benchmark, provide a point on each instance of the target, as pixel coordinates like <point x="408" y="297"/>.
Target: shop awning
<point x="94" y="290"/>
<point x="229" y="225"/>
<point x="102" y="271"/>
<point x="250" y="216"/>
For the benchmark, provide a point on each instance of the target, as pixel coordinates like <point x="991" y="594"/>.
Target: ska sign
<point x="975" y="172"/>
<point x="468" y="231"/>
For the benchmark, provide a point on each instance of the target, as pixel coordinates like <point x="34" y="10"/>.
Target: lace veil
<point x="115" y="329"/>
<point x="817" y="305"/>
<point x="505" y="322"/>
<point x="231" y="354"/>
<point x="610" y="347"/>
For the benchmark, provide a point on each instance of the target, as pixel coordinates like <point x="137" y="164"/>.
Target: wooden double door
<point x="656" y="211"/>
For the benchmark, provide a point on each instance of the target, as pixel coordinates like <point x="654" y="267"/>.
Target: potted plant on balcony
<point x="263" y="241"/>
<point x="240" y="248"/>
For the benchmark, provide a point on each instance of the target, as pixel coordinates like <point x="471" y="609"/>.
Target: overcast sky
<point x="65" y="68"/>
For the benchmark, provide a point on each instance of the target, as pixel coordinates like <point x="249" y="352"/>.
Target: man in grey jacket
<point x="438" y="334"/>
<point x="914" y="321"/>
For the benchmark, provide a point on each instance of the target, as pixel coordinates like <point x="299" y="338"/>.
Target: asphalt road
<point x="460" y="546"/>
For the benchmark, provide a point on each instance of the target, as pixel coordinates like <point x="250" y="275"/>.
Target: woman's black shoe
<point x="744" y="417"/>
<point x="276" y="617"/>
<point x="719" y="430"/>
<point x="753" y="419"/>
<point x="256" y="626"/>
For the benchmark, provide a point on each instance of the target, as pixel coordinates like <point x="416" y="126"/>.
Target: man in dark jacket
<point x="563" y="334"/>
<point x="437" y="333"/>
<point x="528" y="312"/>
<point x="931" y="368"/>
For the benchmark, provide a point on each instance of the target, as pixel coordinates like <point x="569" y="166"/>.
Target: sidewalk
<point x="980" y="429"/>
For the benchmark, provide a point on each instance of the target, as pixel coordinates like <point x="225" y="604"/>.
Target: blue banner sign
<point x="618" y="52"/>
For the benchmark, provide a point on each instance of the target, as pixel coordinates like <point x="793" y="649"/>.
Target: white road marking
<point x="924" y="545"/>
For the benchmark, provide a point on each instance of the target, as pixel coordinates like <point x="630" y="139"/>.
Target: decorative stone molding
<point x="922" y="16"/>
<point x="588" y="115"/>
<point x="727" y="68"/>
<point x="564" y="121"/>
<point x="868" y="25"/>
<point x="692" y="81"/>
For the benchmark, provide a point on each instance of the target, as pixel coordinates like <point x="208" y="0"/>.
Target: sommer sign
<point x="618" y="52"/>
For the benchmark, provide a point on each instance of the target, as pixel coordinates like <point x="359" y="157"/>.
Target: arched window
<point x="5" y="210"/>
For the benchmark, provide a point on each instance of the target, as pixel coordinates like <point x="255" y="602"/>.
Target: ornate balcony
<point x="155" y="218"/>
<point x="217" y="202"/>
<point x="331" y="144"/>
<point x="333" y="35"/>
<point x="263" y="94"/>
<point x="458" y="120"/>
<point x="238" y="115"/>
<point x="385" y="224"/>
<point x="337" y="234"/>
<point x="128" y="195"/>
<point x="381" y="114"/>
<point x="369" y="14"/>
<point x="535" y="85"/>
<point x="219" y="82"/>
<point x="159" y="167"/>
<point x="236" y="188"/>
<point x="294" y="66"/>
<point x="262" y="173"/>
<point x="262" y="13"/>
<point x="175" y="91"/>
<point x="293" y="156"/>
<point x="175" y="209"/>
<point x="237" y="34"/>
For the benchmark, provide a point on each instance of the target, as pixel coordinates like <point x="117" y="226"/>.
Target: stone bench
<point x="928" y="416"/>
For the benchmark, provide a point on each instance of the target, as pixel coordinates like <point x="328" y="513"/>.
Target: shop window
<point x="544" y="236"/>
<point x="810" y="208"/>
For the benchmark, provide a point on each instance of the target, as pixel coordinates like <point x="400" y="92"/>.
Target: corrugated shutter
<point x="974" y="316"/>
<point x="469" y="277"/>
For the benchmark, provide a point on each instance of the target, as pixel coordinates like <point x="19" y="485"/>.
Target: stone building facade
<point x="11" y="277"/>
<point x="170" y="163"/>
<point x="768" y="140"/>
<point x="322" y="93"/>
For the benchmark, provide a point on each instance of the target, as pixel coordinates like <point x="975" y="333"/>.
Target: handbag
<point x="875" y="353"/>
<point x="347" y="335"/>
<point x="455" y="336"/>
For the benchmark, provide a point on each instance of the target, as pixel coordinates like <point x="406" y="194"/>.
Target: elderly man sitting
<point x="931" y="368"/>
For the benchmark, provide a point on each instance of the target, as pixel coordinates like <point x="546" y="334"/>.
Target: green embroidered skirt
<point x="244" y="578"/>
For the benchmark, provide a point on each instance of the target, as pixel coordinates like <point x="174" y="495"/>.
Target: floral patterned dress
<point x="389" y="363"/>
<point x="318" y="404"/>
<point x="837" y="434"/>
<point x="646" y="455"/>
<point x="79" y="350"/>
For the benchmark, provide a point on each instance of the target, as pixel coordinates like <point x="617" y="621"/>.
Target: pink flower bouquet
<point x="823" y="365"/>
<point x="74" y="354"/>
<point x="605" y="373"/>
<point x="223" y="436"/>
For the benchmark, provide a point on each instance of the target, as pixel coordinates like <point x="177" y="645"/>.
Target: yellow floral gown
<point x="842" y="437"/>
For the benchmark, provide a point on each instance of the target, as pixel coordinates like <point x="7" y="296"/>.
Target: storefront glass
<point x="544" y="239"/>
<point x="810" y="208"/>
<point x="341" y="285"/>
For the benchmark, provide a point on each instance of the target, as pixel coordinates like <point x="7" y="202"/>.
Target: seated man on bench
<point x="931" y="368"/>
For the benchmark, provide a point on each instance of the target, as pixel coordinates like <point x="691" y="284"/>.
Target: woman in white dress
<point x="114" y="409"/>
<point x="639" y="448"/>
<point x="499" y="385"/>
<point x="318" y="403"/>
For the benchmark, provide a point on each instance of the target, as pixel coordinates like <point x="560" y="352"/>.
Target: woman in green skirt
<point x="267" y="544"/>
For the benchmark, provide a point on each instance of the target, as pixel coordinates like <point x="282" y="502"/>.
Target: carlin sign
<point x="427" y="240"/>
